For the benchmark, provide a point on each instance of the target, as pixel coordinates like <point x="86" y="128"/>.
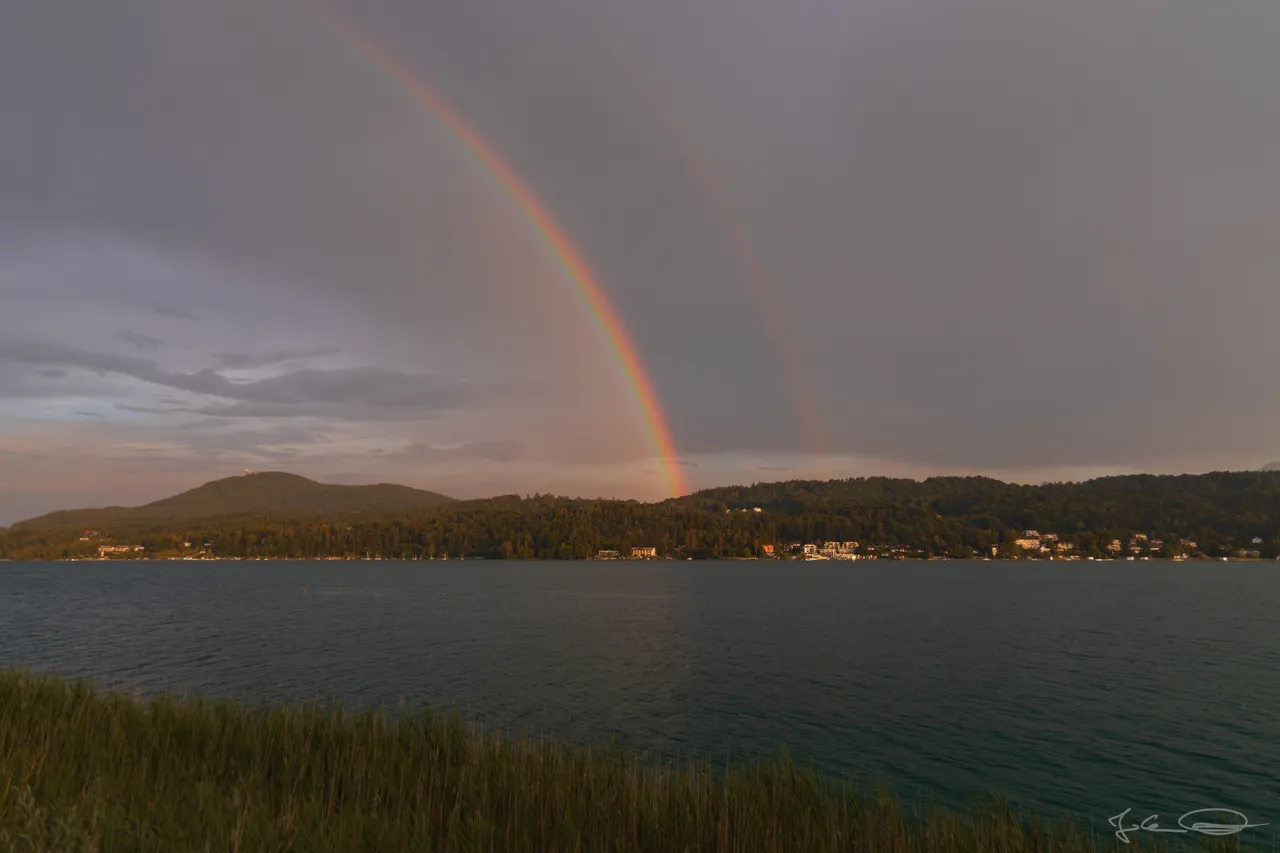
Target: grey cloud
<point x="52" y="372"/>
<point x="89" y="414"/>
<point x="1001" y="233"/>
<point x="216" y="443"/>
<point x="140" y="341"/>
<point x="248" y="361"/>
<point x="291" y="393"/>
<point x="170" y="409"/>
<point x="173" y="313"/>
<point x="315" y="408"/>
<point x="493" y="451"/>
<point x="370" y="386"/>
<point x="497" y="451"/>
<point x="215" y="434"/>
<point x="19" y="383"/>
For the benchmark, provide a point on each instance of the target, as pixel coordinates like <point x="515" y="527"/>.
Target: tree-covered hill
<point x="269" y="492"/>
<point x="1243" y="502"/>
<point x="1215" y="514"/>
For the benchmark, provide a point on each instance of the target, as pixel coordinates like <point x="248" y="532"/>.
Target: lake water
<point x="1077" y="689"/>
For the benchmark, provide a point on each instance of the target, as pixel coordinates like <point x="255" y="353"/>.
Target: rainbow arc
<point x="571" y="261"/>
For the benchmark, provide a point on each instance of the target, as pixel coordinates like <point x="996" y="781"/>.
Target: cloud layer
<point x="1025" y="238"/>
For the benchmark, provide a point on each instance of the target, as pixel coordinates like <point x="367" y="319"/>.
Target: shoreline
<point x="651" y="560"/>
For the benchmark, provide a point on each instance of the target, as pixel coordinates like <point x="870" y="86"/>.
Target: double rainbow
<point x="544" y="226"/>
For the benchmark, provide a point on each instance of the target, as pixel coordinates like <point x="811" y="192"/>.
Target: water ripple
<point x="1077" y="690"/>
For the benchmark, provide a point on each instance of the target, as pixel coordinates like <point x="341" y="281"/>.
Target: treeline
<point x="954" y="516"/>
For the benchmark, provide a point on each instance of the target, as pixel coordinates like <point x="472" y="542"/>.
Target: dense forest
<point x="1209" y="515"/>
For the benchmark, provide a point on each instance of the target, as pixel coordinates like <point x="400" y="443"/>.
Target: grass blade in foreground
<point x="82" y="770"/>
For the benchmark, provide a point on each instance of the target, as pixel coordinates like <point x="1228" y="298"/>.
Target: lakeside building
<point x="608" y="555"/>
<point x="839" y="550"/>
<point x="107" y="550"/>
<point x="645" y="553"/>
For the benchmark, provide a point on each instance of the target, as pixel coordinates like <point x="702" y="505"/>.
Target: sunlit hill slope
<point x="266" y="493"/>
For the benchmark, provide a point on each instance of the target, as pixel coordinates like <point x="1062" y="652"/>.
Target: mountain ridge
<point x="262" y="493"/>
<point x="279" y="494"/>
<point x="1214" y="515"/>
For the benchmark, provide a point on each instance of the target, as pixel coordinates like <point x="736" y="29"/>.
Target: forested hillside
<point x="267" y="492"/>
<point x="1211" y="514"/>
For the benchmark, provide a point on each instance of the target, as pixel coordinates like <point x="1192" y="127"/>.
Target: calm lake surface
<point x="1076" y="689"/>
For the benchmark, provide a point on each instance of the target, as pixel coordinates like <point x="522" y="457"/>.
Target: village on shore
<point x="1031" y="545"/>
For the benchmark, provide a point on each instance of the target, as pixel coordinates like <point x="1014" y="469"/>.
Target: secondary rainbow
<point x="543" y="224"/>
<point x="749" y="265"/>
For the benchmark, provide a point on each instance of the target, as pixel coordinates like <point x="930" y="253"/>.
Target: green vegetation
<point x="87" y="771"/>
<point x="270" y="492"/>
<point x="946" y="516"/>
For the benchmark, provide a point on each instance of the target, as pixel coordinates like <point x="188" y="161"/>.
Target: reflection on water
<point x="1078" y="689"/>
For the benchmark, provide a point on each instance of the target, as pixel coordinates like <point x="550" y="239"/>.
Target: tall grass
<point x="83" y="770"/>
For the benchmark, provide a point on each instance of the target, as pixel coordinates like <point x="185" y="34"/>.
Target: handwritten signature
<point x="1186" y="824"/>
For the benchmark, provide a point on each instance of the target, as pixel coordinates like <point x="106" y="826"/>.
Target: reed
<point x="87" y="770"/>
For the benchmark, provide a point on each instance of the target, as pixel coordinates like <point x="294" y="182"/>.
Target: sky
<point x="1033" y="240"/>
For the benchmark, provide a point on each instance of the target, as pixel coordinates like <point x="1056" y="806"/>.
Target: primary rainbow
<point x="543" y="224"/>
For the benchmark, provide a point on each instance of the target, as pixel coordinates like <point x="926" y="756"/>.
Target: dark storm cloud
<point x="1011" y="233"/>
<point x="987" y="221"/>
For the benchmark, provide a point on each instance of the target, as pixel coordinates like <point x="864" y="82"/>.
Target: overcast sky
<point x="1028" y="239"/>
